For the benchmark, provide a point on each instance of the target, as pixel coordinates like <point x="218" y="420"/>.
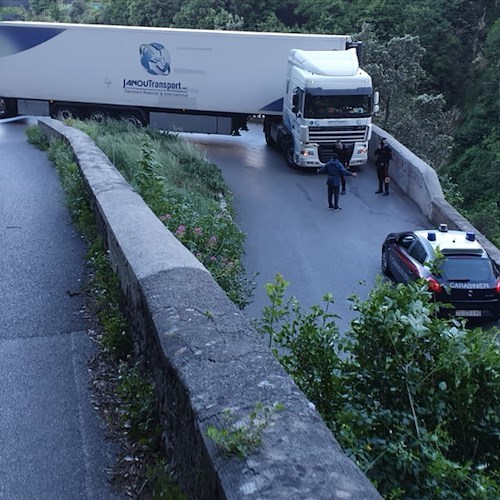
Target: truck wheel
<point x="4" y="108"/>
<point x="64" y="113"/>
<point x="269" y="140"/>
<point x="133" y="118"/>
<point x="98" y="115"/>
<point x="288" y="150"/>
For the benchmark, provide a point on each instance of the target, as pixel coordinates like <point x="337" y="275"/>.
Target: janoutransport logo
<point x="151" y="84"/>
<point x="155" y="58"/>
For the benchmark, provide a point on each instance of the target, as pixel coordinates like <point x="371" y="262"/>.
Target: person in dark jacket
<point x="384" y="156"/>
<point x="334" y="170"/>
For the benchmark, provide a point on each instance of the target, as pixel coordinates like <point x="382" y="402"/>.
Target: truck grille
<point x="329" y="135"/>
<point x="326" y="137"/>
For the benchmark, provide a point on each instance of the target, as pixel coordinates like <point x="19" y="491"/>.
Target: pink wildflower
<point x="213" y="258"/>
<point x="180" y="230"/>
<point x="165" y="217"/>
<point x="212" y="241"/>
<point x="198" y="231"/>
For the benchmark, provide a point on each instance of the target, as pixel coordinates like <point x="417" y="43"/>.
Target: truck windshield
<point x="336" y="106"/>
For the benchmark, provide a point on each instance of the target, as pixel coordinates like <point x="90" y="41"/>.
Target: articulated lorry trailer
<point x="309" y="89"/>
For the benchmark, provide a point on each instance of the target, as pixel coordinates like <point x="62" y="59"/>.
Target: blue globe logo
<point x="155" y="59"/>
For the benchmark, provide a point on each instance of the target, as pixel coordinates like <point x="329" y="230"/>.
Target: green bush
<point x="107" y="293"/>
<point x="138" y="406"/>
<point x="412" y="398"/>
<point x="185" y="191"/>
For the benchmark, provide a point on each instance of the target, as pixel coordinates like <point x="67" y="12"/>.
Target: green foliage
<point x="412" y="398"/>
<point x="187" y="193"/>
<point x="12" y="13"/>
<point x="474" y="165"/>
<point x="162" y="483"/>
<point x="48" y="10"/>
<point x="71" y="181"/>
<point x="304" y="343"/>
<point x="138" y="410"/>
<point x="317" y="16"/>
<point x="425" y="113"/>
<point x="206" y="15"/>
<point x="450" y="190"/>
<point x="395" y="67"/>
<point x="37" y="138"/>
<point x="238" y="439"/>
<point x="107" y="292"/>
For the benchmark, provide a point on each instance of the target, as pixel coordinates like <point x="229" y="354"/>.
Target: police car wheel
<point x="385" y="262"/>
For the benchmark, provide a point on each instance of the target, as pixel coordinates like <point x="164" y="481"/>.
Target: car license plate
<point x="470" y="313"/>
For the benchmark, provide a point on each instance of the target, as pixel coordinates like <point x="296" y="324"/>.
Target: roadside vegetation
<point x="185" y="191"/>
<point x="411" y="398"/>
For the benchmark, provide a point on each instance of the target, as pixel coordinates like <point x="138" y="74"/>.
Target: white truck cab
<point x="328" y="98"/>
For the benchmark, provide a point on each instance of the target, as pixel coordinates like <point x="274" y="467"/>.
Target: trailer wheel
<point x="134" y="119"/>
<point x="64" y="112"/>
<point x="288" y="151"/>
<point x="98" y="115"/>
<point x="269" y="140"/>
<point x="3" y="107"/>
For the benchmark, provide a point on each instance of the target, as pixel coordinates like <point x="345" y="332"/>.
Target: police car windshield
<point x="461" y="268"/>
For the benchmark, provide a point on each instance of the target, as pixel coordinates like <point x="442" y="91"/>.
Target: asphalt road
<point x="290" y="230"/>
<point x="52" y="442"/>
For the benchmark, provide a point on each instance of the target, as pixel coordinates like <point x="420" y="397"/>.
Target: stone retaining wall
<point x="207" y="358"/>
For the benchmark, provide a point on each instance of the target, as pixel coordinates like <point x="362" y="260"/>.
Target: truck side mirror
<point x="376" y="108"/>
<point x="376" y="98"/>
<point x="295" y="103"/>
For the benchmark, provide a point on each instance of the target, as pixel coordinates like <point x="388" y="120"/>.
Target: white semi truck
<point x="309" y="89"/>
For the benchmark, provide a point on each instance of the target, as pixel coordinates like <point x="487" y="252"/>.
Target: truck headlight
<point x="307" y="152"/>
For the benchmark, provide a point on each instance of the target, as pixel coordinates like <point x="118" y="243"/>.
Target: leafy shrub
<point x="185" y="191"/>
<point x="238" y="439"/>
<point x="138" y="409"/>
<point x="107" y="293"/>
<point x="412" y="398"/>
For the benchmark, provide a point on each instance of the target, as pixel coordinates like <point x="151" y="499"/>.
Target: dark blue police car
<point x="455" y="265"/>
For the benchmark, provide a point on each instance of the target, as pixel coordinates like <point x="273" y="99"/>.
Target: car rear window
<point x="467" y="269"/>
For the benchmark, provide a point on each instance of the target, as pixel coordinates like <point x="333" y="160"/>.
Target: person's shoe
<point x="386" y="194"/>
<point x="343" y="191"/>
<point x="336" y="209"/>
<point x="378" y="192"/>
<point x="330" y="208"/>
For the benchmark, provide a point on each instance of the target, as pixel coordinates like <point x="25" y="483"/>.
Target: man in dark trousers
<point x="384" y="156"/>
<point x="334" y="169"/>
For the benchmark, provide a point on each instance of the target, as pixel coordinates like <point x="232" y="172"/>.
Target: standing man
<point x="334" y="169"/>
<point x="384" y="156"/>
